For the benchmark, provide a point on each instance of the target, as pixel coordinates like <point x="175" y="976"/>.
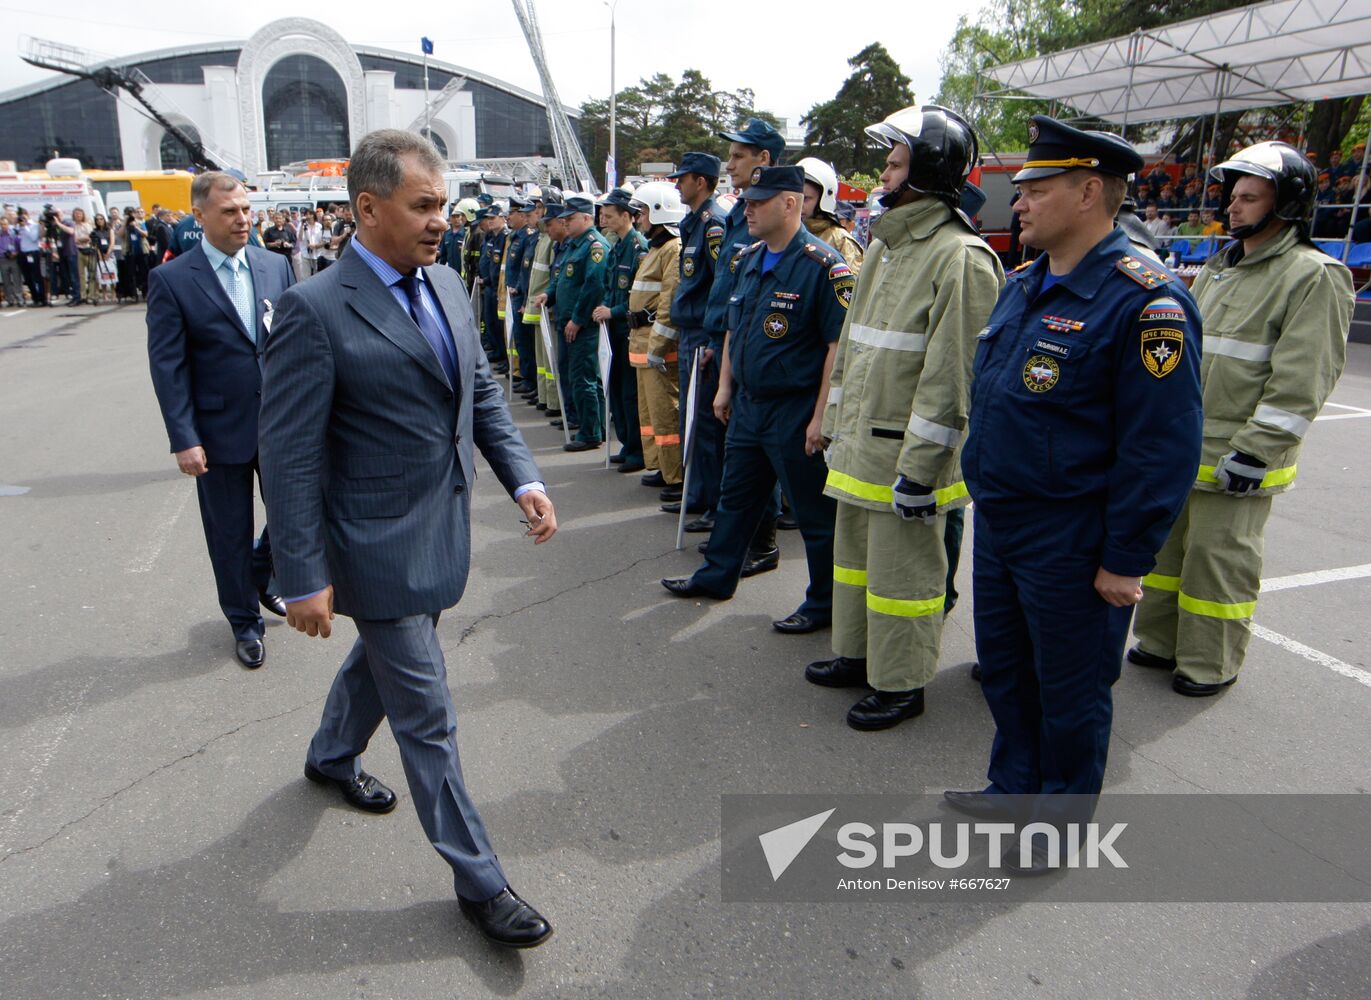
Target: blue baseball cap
<point x="704" y="164"/>
<point x="758" y="133"/>
<point x="576" y="204"/>
<point x="619" y="198"/>
<point x="768" y="182"/>
<point x="485" y="198"/>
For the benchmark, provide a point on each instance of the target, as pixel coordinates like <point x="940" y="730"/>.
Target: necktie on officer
<point x="241" y="296"/>
<point x="429" y="327"/>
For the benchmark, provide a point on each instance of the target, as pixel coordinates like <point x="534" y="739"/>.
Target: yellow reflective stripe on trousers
<point x="905" y="609"/>
<point x="1213" y="609"/>
<point x="1156" y="581"/>
<point x="853" y="486"/>
<point x="1276" y="477"/>
<point x="851" y="577"/>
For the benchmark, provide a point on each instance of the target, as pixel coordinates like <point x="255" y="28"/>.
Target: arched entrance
<point x="304" y="111"/>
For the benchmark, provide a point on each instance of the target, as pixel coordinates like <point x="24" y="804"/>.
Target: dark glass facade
<point x="305" y="111"/>
<point x="76" y="119"/>
<point x="304" y="105"/>
<point x="174" y="155"/>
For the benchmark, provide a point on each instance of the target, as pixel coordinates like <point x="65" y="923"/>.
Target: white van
<point x="65" y="188"/>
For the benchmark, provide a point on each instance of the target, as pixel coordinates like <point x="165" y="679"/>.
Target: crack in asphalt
<point x="470" y="630"/>
<point x="106" y="800"/>
<point x="1165" y="767"/>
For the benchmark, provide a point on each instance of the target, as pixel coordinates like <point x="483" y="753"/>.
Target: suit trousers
<point x="1199" y="600"/>
<point x="765" y="444"/>
<point x="1049" y="646"/>
<point x="707" y="445"/>
<point x="31" y="264"/>
<point x="241" y="567"/>
<point x="396" y="671"/>
<point x="13" y="279"/>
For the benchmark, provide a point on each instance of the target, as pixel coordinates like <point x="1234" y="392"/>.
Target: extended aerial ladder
<point x="565" y="146"/>
<point x="132" y="81"/>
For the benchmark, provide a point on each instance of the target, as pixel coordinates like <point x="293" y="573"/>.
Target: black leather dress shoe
<point x="1142" y="658"/>
<point x="556" y="423"/>
<point x="542" y="407"/>
<point x="841" y="672"/>
<point x="632" y="465"/>
<point x="1194" y="689"/>
<point x="653" y="478"/>
<point x="761" y="562"/>
<point x="883" y="709"/>
<point x="798" y="624"/>
<point x="1038" y="860"/>
<point x="670" y="493"/>
<point x="579" y="445"/>
<point x="362" y="790"/>
<point x="552" y="411"/>
<point x="508" y="920"/>
<point x="617" y="459"/>
<point x="703" y="523"/>
<point x="976" y="672"/>
<point x="272" y="602"/>
<point x="787" y="522"/>
<point x="703" y="547"/>
<point x="685" y="586"/>
<point x="982" y="805"/>
<point x="251" y="653"/>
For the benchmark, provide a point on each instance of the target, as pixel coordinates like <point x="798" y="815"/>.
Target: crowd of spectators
<point x="1180" y="205"/>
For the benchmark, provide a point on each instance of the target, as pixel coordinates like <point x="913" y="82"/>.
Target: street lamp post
<point x="611" y="175"/>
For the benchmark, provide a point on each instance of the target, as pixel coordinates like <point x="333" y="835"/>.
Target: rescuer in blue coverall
<point x="1084" y="437"/>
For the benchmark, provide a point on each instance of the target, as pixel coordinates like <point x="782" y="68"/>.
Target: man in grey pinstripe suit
<point x="376" y="391"/>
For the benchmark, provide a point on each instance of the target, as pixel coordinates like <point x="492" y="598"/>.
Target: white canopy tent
<point x="1279" y="52"/>
<point x="1268" y="54"/>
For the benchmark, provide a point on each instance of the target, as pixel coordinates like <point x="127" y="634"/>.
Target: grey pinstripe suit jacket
<point x="366" y="451"/>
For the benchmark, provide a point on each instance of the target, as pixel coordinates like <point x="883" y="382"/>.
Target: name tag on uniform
<point x="1053" y="348"/>
<point x="782" y="305"/>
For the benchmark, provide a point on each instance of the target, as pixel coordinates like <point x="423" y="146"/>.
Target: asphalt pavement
<point x="158" y="839"/>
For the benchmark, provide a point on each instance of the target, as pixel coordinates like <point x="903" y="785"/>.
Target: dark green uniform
<point x="623" y="383"/>
<point x="577" y="288"/>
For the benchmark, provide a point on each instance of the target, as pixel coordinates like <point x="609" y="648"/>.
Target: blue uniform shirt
<point x="492" y="252"/>
<point x="782" y="321"/>
<point x="735" y="239"/>
<point x="1087" y="394"/>
<point x="702" y="236"/>
<point x="514" y="259"/>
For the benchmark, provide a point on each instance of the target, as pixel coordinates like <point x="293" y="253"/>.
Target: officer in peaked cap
<point x="1083" y="439"/>
<point x="578" y="286"/>
<point x="488" y="270"/>
<point x="629" y="248"/>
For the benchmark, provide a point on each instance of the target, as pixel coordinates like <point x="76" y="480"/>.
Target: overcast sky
<point x="795" y="57"/>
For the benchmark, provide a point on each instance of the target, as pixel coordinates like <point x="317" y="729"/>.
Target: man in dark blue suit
<point x="377" y="393"/>
<point x="209" y="312"/>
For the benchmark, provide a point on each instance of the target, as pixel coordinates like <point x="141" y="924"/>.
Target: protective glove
<point x="653" y="361"/>
<point x="913" y="500"/>
<point x="639" y="318"/>
<point x="1239" y="475"/>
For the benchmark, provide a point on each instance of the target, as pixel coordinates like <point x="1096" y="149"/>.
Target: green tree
<point x="661" y="119"/>
<point x="835" y="130"/>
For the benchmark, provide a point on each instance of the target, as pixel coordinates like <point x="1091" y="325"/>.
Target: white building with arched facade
<point x="295" y="90"/>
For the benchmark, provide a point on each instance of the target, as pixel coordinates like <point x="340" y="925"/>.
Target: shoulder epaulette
<point x="1140" y="272"/>
<point x="750" y="248"/>
<point x="705" y="215"/>
<point x="822" y="253"/>
<point x="1023" y="267"/>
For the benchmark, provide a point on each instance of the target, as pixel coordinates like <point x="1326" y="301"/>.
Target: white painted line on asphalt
<point x="1318" y="576"/>
<point x="169" y="514"/>
<point x="1312" y="655"/>
<point x="1342" y="416"/>
<point x="1344" y="406"/>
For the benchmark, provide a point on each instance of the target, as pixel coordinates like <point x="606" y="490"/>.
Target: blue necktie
<point x="429" y="327"/>
<point x="240" y="296"/>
